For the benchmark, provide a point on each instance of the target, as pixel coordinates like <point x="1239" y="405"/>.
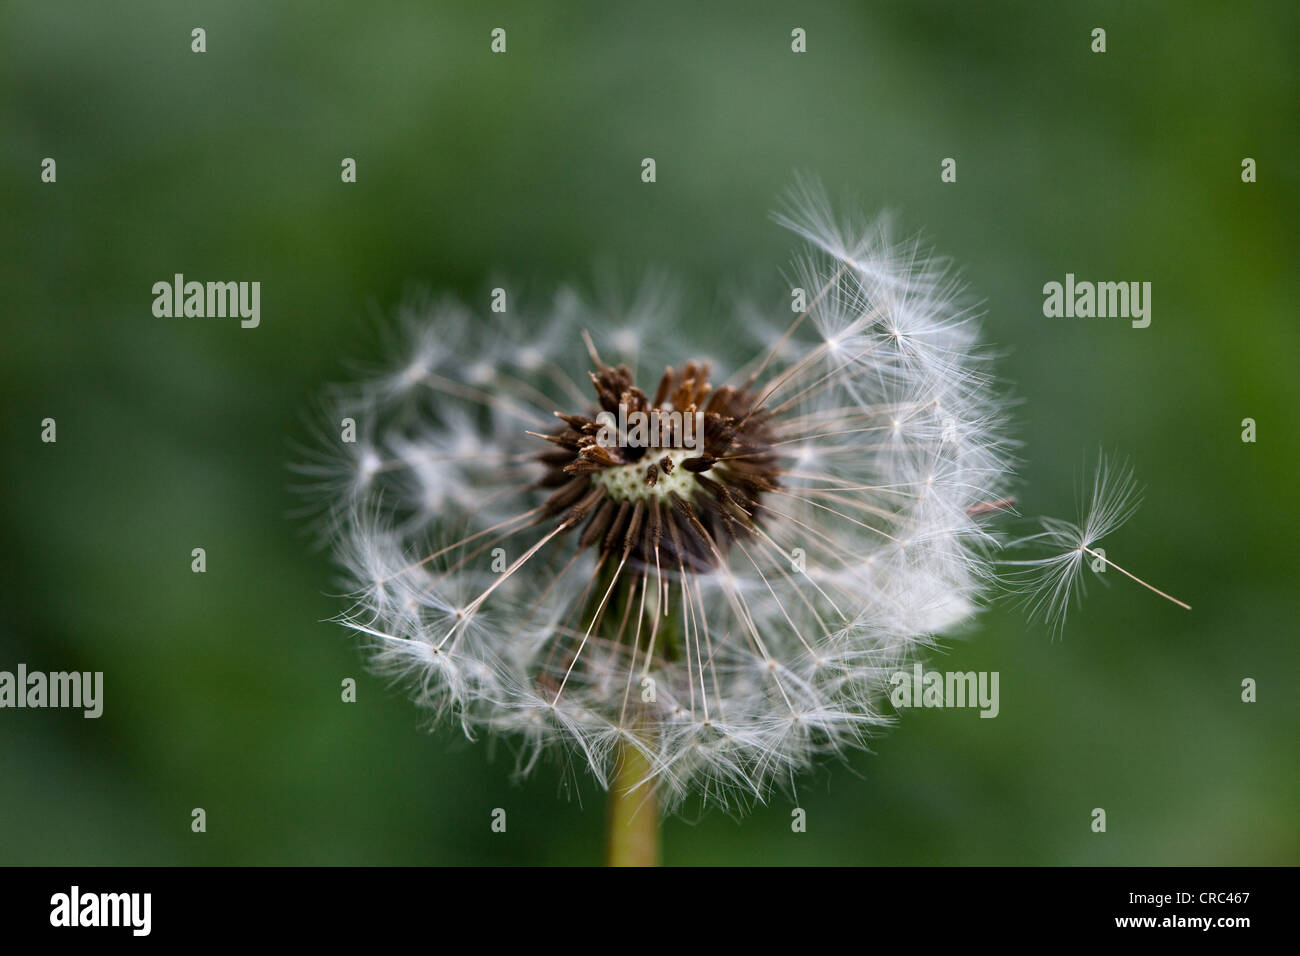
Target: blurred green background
<point x="222" y="689"/>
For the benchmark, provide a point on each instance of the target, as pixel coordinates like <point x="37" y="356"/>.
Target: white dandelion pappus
<point x="1052" y="583"/>
<point x="729" y="611"/>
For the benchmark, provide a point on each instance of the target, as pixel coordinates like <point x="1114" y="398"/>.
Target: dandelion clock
<point x="692" y="574"/>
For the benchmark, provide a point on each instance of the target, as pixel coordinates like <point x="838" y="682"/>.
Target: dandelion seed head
<point x="730" y="607"/>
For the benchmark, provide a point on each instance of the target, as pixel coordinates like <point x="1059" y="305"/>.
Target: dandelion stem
<point x="633" y="838"/>
<point x="1134" y="577"/>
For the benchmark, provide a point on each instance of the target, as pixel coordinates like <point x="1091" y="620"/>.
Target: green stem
<point x="633" y="838"/>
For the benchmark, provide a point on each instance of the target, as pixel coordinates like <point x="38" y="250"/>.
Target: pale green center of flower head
<point x="630" y="482"/>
